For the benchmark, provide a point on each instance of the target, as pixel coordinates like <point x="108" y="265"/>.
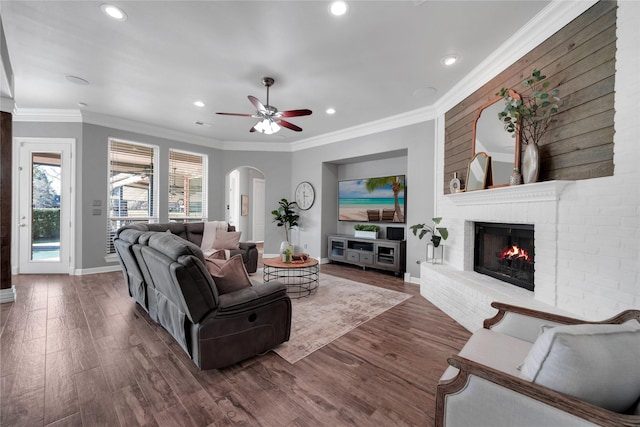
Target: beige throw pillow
<point x="227" y="240"/>
<point x="597" y="363"/>
<point x="228" y="275"/>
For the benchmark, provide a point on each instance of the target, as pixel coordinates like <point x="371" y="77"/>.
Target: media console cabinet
<point x="381" y="254"/>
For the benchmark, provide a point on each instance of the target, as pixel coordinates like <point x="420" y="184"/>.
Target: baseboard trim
<point x="8" y="294"/>
<point x="96" y="270"/>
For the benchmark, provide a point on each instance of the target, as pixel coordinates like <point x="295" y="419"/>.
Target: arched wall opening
<point x="245" y="202"/>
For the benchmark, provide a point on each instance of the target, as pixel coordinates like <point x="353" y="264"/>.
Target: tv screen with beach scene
<point x="372" y="199"/>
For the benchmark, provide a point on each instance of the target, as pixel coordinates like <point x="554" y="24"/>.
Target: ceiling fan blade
<point x="256" y="103"/>
<point x="295" y="113"/>
<point x="289" y="125"/>
<point x="235" y="114"/>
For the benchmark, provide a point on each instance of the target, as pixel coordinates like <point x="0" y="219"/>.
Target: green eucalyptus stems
<point x="532" y="111"/>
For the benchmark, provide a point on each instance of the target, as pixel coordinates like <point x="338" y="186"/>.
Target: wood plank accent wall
<point x="5" y="199"/>
<point x="580" y="61"/>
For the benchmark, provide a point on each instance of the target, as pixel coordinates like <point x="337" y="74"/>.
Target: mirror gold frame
<point x="516" y="140"/>
<point x="478" y="172"/>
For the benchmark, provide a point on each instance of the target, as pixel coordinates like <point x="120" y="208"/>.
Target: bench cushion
<point x="495" y="350"/>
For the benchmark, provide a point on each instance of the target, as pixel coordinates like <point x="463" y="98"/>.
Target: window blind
<point x="187" y="186"/>
<point x="132" y="186"/>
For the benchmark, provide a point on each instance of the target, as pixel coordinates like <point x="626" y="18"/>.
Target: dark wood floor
<point x="76" y="350"/>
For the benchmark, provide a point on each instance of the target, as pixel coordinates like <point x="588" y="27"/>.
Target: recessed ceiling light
<point x="114" y="12"/>
<point x="77" y="80"/>
<point x="330" y="110"/>
<point x="339" y="8"/>
<point x="199" y="104"/>
<point x="449" y="60"/>
<point x="425" y="92"/>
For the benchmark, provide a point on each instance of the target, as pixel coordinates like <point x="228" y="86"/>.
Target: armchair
<point x="485" y="386"/>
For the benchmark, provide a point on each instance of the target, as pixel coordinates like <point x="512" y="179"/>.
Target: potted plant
<point x="285" y="217"/>
<point x="437" y="233"/>
<point x="531" y="116"/>
<point x="435" y="252"/>
<point x="366" y="231"/>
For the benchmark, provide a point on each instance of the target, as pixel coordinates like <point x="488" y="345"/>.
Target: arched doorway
<point x="245" y="200"/>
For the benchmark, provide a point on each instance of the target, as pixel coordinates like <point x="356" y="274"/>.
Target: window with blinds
<point x="187" y="187"/>
<point x="132" y="186"/>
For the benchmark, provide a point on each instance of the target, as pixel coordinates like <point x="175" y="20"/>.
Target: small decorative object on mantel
<point x="531" y="116"/>
<point x="454" y="184"/>
<point x="515" y="178"/>
<point x="367" y="231"/>
<point x="435" y="251"/>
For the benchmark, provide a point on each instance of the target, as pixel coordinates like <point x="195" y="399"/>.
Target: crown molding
<point x="46" y="115"/>
<point x="393" y="122"/>
<point x="147" y="129"/>
<point x="550" y="20"/>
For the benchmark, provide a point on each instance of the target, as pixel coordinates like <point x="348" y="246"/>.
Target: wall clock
<point x="305" y="195"/>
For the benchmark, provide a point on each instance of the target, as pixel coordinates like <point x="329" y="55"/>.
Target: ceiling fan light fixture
<point x="267" y="127"/>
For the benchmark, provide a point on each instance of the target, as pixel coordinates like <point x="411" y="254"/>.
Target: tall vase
<point x="530" y="163"/>
<point x="285" y="249"/>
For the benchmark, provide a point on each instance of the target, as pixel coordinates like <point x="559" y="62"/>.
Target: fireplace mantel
<point x="535" y="192"/>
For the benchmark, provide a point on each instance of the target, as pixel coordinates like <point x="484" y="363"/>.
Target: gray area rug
<point x="338" y="306"/>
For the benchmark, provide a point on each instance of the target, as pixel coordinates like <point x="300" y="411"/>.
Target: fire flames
<point x="514" y="252"/>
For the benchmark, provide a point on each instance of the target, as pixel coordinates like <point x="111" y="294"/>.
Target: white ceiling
<point x="379" y="60"/>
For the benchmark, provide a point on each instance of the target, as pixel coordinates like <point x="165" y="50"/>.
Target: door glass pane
<point x="45" y="206"/>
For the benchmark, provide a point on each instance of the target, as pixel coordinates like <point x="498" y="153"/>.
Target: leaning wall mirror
<point x="490" y="137"/>
<point x="478" y="172"/>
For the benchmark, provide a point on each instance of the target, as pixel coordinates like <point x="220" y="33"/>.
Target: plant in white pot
<point x="287" y="218"/>
<point x="366" y="231"/>
<point x="531" y="116"/>
<point x="437" y="235"/>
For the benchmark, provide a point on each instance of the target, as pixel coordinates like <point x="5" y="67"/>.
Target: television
<point x="380" y="199"/>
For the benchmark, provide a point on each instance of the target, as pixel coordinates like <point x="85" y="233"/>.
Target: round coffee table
<point x="300" y="279"/>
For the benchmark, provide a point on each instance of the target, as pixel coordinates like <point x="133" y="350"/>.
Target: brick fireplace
<point x="465" y="294"/>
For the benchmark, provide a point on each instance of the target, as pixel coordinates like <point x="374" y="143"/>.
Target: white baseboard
<point x="96" y="270"/>
<point x="8" y="294"/>
<point x="409" y="279"/>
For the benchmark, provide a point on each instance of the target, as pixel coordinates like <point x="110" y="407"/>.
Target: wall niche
<point x="580" y="61"/>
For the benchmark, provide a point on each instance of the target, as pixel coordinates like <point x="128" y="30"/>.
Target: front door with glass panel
<point x="44" y="207"/>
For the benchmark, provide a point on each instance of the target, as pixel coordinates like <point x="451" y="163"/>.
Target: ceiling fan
<point x="270" y="118"/>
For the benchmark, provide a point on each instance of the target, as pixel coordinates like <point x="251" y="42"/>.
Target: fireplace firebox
<point x="506" y="252"/>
